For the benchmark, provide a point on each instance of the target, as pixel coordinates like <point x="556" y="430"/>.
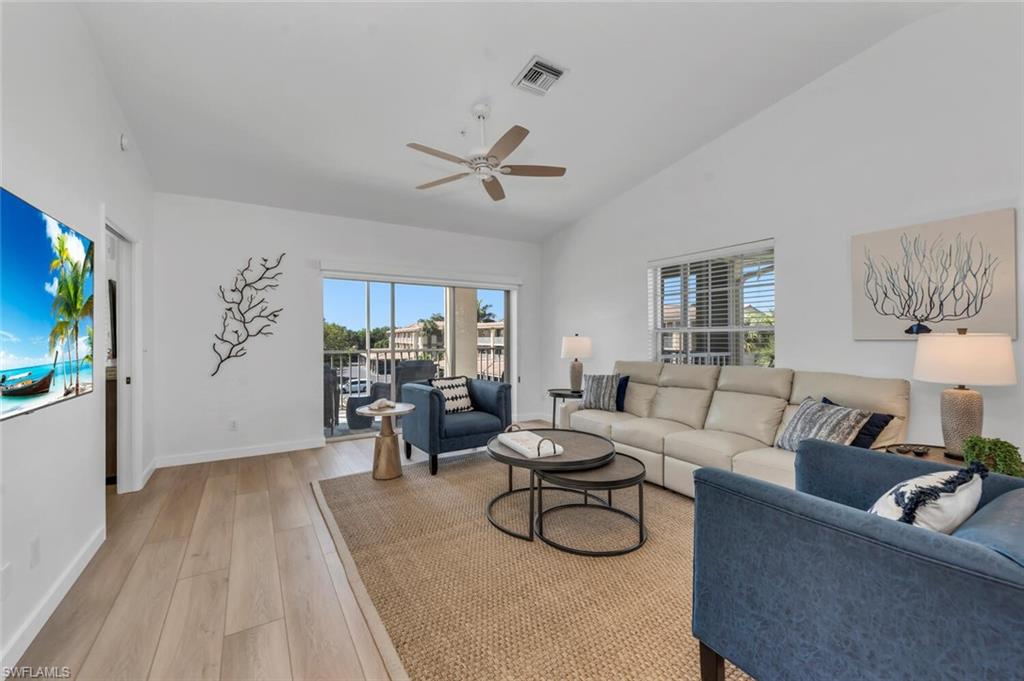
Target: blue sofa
<point x="806" y="585"/>
<point x="430" y="429"/>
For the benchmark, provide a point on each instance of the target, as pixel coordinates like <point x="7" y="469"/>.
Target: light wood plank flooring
<point x="221" y="570"/>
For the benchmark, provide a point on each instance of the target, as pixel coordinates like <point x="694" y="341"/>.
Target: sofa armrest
<point x="566" y="410"/>
<point x="858" y="477"/>
<point x="788" y="585"/>
<point x="423" y="427"/>
<point x="492" y="397"/>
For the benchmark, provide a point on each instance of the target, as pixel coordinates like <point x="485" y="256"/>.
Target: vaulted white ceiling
<point x="309" y="106"/>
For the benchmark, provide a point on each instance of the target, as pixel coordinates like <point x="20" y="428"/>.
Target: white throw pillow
<point x="938" y="501"/>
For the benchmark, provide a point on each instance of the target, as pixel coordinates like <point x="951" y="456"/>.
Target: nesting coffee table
<point x="588" y="464"/>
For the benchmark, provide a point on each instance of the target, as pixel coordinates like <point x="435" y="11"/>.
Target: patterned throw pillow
<point x="456" y="393"/>
<point x="814" y="420"/>
<point x="599" y="391"/>
<point x="870" y="431"/>
<point x="939" y="501"/>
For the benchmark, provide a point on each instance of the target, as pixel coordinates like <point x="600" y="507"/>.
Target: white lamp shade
<point x="576" y="347"/>
<point x="968" y="359"/>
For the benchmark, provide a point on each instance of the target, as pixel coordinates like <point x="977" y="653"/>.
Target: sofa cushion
<point x="688" y="376"/>
<point x="755" y="416"/>
<point x="639" y="397"/>
<point x="757" y="381"/>
<point x="999" y="525"/>
<point x="708" y="447"/>
<point x="640" y="372"/>
<point x="470" y="423"/>
<point x="882" y="395"/>
<point x="596" y="421"/>
<point x="686" y="405"/>
<point x="645" y="433"/>
<point x="769" y="464"/>
<point x="643" y="382"/>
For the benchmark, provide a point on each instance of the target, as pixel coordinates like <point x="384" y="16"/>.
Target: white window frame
<point x="736" y="327"/>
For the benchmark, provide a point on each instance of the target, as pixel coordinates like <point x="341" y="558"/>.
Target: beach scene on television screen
<point x="46" y="309"/>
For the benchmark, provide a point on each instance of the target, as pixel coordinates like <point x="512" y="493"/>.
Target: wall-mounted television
<point x="46" y="309"/>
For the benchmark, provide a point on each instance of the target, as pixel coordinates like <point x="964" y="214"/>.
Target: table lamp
<point x="576" y="346"/>
<point x="961" y="358"/>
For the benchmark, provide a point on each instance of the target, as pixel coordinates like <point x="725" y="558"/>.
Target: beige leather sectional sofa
<point x="680" y="417"/>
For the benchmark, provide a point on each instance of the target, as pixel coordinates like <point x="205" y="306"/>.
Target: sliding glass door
<point x="381" y="335"/>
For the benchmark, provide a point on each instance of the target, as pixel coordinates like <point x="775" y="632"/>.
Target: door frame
<point x="131" y="475"/>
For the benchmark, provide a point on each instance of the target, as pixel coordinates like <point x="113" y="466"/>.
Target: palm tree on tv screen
<point x="70" y="304"/>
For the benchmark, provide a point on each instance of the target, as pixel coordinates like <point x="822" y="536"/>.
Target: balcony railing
<point x="359" y="369"/>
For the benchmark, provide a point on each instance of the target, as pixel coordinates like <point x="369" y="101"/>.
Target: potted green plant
<point x="999" y="456"/>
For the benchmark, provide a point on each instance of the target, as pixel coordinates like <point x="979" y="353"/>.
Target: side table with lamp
<point x="576" y="347"/>
<point x="983" y="359"/>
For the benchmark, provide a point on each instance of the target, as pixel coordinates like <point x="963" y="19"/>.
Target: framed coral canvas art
<point x="937" y="277"/>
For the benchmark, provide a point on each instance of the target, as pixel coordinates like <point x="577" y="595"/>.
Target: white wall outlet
<point x="6" y="574"/>
<point x="33" y="552"/>
<point x="232" y="424"/>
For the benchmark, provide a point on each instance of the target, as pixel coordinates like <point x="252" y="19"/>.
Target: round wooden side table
<point x="565" y="394"/>
<point x="386" y="463"/>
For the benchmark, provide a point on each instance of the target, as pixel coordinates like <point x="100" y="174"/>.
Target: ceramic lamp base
<point x="962" y="415"/>
<point x="576" y="375"/>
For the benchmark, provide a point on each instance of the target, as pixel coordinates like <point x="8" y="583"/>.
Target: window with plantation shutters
<point x="715" y="307"/>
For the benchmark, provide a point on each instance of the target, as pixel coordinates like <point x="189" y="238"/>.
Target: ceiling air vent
<point x="538" y="76"/>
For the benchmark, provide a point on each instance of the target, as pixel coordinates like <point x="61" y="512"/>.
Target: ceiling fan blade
<point x="437" y="152"/>
<point x="508" y="143"/>
<point x="443" y="180"/>
<point x="494" y="188"/>
<point x="534" y="171"/>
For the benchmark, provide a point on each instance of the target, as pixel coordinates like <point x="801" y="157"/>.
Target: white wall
<point x="60" y="131"/>
<point x="275" y="393"/>
<point x="924" y="125"/>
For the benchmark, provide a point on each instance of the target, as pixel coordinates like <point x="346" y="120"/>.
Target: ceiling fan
<point x="486" y="163"/>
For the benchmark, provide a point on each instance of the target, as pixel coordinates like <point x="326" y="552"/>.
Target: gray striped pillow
<point x="599" y="391"/>
<point x="818" y="421"/>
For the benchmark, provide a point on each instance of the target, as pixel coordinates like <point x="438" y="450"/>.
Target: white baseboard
<point x="536" y="416"/>
<point x="237" y="452"/>
<point x="23" y="637"/>
<point x="146" y="474"/>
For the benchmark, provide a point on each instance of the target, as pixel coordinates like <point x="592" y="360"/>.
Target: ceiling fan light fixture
<point x="486" y="163"/>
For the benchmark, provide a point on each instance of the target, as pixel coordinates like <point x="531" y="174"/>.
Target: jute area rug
<point x="461" y="600"/>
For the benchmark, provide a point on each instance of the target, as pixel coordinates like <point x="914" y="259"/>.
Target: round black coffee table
<point x="582" y="450"/>
<point x="623" y="471"/>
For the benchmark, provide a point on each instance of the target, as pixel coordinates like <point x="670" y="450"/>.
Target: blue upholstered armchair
<point x="807" y="585"/>
<point x="433" y="431"/>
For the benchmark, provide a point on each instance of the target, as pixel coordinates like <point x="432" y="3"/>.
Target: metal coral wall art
<point x="936" y="276"/>
<point x="247" y="312"/>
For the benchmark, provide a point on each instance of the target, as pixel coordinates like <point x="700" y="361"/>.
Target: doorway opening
<point x="117" y="366"/>
<point x="379" y="335"/>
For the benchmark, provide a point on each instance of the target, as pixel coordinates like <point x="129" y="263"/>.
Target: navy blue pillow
<point x="998" y="525"/>
<point x="870" y="430"/>
<point x="620" y="394"/>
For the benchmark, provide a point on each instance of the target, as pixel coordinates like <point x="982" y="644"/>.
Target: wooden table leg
<point x="386" y="463"/>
